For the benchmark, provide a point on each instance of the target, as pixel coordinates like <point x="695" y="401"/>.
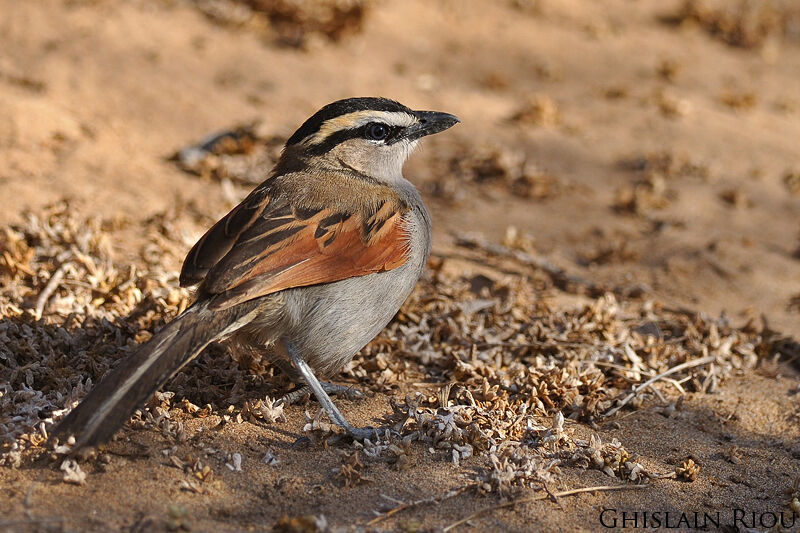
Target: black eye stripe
<point x="341" y="136"/>
<point x="343" y="107"/>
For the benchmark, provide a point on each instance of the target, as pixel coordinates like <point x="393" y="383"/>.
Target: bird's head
<point x="370" y="136"/>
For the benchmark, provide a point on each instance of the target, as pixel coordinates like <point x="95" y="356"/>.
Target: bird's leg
<point x="302" y="390"/>
<point x="322" y="397"/>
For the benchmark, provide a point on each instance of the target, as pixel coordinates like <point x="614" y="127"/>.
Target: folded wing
<point x="267" y="244"/>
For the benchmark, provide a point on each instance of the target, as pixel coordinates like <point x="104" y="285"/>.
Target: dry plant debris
<point x="794" y="303"/>
<point x="291" y="22"/>
<point x="241" y="154"/>
<point x="736" y="198"/>
<point x="351" y="472"/>
<point x="741" y="23"/>
<point x="178" y="518"/>
<point x="607" y="249"/>
<point x="492" y="167"/>
<point x="644" y="195"/>
<point x="506" y="376"/>
<point x="616" y="92"/>
<point x="671" y="105"/>
<point x="302" y="524"/>
<point x="294" y="19"/>
<point x="651" y="189"/>
<point x="793" y="496"/>
<point x="687" y="470"/>
<point x="665" y="163"/>
<point x="791" y="180"/>
<point x="668" y="70"/>
<point x="554" y="496"/>
<point x="740" y="101"/>
<point x="538" y="110"/>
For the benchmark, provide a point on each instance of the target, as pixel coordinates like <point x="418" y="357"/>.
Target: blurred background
<point x="649" y="145"/>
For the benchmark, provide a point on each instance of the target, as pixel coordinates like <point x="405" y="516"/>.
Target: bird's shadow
<point x="47" y="364"/>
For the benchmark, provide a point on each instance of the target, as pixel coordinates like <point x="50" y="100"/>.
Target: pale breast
<point x="332" y="322"/>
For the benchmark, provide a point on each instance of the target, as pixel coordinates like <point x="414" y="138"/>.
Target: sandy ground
<point x="663" y="162"/>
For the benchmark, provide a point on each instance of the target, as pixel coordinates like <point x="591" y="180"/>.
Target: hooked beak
<point x="430" y="122"/>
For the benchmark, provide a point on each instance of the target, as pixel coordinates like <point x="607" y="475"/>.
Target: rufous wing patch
<point x="324" y="248"/>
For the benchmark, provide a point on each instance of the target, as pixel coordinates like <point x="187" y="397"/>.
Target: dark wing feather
<point x="221" y="237"/>
<point x="283" y="246"/>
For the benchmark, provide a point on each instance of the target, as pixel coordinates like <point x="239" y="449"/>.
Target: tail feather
<point x="123" y="390"/>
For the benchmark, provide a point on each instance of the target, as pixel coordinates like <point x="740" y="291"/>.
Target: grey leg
<point x="323" y="398"/>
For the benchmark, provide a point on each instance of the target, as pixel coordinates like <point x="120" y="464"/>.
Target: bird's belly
<point x="332" y="322"/>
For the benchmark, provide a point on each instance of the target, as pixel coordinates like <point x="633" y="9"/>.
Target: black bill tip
<point x="436" y="121"/>
<point x="430" y="122"/>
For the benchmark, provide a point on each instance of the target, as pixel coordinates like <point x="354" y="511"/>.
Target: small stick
<point x="657" y="393"/>
<point x="683" y="366"/>
<point x="646" y="372"/>
<point x="404" y="506"/>
<point x="676" y="385"/>
<point x="48" y="290"/>
<point x="600" y="488"/>
<point x="393" y="500"/>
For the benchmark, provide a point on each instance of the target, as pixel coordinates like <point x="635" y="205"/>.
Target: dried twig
<point x="676" y="384"/>
<point x="600" y="488"/>
<point x="48" y="290"/>
<point x="683" y="366"/>
<point x="658" y="393"/>
<point x="404" y="506"/>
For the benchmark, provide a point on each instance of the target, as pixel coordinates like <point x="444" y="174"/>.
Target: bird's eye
<point x="377" y="131"/>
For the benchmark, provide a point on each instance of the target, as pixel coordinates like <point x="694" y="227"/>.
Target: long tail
<point x="123" y="390"/>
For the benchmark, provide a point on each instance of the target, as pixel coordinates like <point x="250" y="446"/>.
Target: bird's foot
<point x="325" y="401"/>
<point x="293" y="396"/>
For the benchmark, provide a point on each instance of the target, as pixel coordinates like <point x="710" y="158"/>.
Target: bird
<point x="306" y="270"/>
